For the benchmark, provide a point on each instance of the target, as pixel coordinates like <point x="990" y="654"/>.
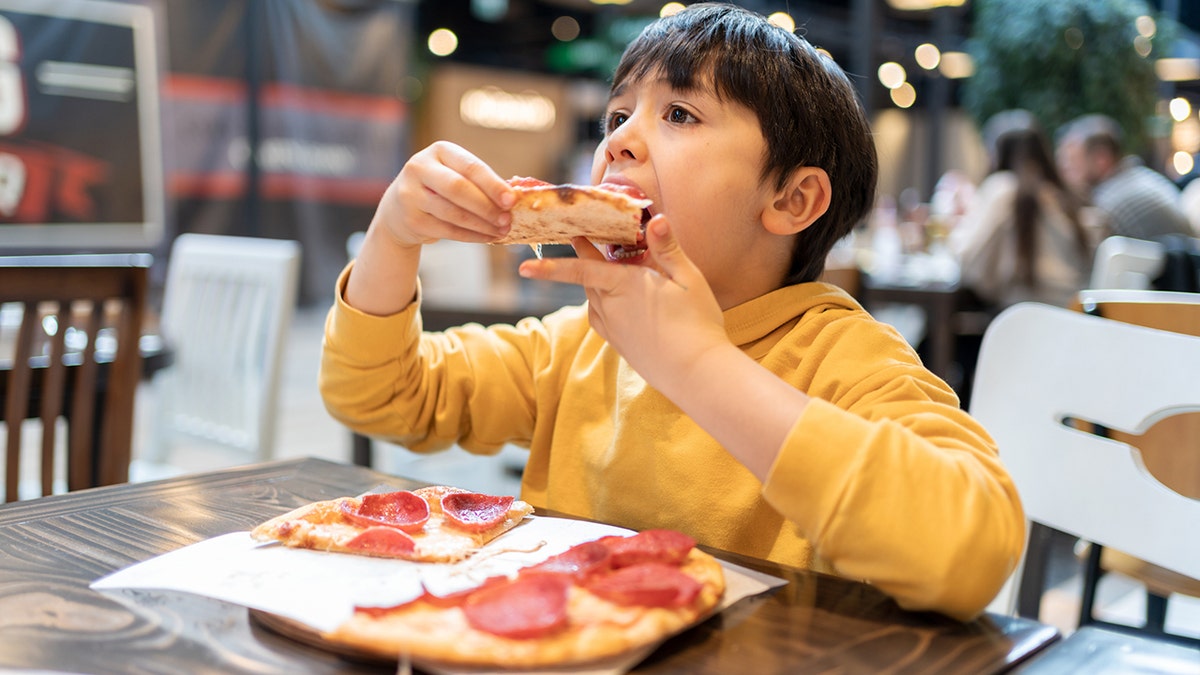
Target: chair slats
<point x="54" y="383"/>
<point x="227" y="306"/>
<point x="51" y="376"/>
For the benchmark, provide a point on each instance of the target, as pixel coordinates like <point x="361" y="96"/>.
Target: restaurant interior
<point x="222" y="161"/>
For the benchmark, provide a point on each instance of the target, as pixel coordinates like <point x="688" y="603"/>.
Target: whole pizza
<point x="596" y="600"/>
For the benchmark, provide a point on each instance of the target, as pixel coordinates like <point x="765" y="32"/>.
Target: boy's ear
<point x="802" y="200"/>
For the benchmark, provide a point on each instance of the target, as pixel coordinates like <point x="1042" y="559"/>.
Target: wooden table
<point x="56" y="546"/>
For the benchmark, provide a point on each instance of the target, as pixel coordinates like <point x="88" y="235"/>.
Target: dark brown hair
<point x="808" y="110"/>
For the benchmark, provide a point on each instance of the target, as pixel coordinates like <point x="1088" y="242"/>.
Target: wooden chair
<point x="75" y="355"/>
<point x="1041" y="371"/>
<point x="227" y="309"/>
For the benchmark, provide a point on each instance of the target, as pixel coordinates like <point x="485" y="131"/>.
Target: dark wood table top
<point x="52" y="548"/>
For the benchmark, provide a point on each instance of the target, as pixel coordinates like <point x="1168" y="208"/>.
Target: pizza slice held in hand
<point x="553" y="214"/>
<point x="431" y="524"/>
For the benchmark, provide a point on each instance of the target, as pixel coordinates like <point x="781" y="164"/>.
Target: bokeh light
<point x="1183" y="162"/>
<point x="904" y="96"/>
<point x="565" y="29"/>
<point x="783" y="20"/>
<point x="443" y="42"/>
<point x="891" y="74"/>
<point x="928" y="56"/>
<point x="1180" y="109"/>
<point x="671" y="9"/>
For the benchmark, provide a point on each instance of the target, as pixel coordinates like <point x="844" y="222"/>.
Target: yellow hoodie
<point x="883" y="479"/>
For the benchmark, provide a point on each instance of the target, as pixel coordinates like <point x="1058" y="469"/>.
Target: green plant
<point x="1063" y="58"/>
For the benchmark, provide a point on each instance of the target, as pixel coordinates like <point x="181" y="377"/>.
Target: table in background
<point x="56" y="546"/>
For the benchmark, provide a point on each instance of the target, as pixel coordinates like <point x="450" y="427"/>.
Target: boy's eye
<point x="677" y="115"/>
<point x="612" y="121"/>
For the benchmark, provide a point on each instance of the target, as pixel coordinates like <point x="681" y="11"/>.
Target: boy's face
<point x="700" y="160"/>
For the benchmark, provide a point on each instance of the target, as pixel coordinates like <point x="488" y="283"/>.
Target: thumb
<point x="668" y="254"/>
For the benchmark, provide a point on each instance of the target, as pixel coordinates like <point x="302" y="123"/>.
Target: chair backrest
<point x="1125" y="262"/>
<point x="1040" y="366"/>
<point x="1171" y="450"/>
<point x="227" y="308"/>
<point x="74" y="354"/>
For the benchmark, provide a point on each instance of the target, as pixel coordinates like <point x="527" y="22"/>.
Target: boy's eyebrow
<point x="695" y="88"/>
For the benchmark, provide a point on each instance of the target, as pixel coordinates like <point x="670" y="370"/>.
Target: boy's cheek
<point x="598" y="162"/>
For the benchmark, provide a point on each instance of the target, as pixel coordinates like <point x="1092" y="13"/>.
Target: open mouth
<point x="626" y="253"/>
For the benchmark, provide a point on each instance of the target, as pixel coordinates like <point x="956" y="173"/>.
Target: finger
<point x="496" y="191"/>
<point x="591" y="274"/>
<point x="668" y="254"/>
<point x="451" y="215"/>
<point x="436" y="185"/>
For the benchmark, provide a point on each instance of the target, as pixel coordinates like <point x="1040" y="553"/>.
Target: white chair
<point x="227" y="307"/>
<point x="1125" y="262"/>
<point x="1041" y="367"/>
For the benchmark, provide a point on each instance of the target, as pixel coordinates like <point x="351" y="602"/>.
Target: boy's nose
<point x="624" y="144"/>
<point x="624" y="153"/>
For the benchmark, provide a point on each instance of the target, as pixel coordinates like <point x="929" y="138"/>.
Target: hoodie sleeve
<point x="892" y="482"/>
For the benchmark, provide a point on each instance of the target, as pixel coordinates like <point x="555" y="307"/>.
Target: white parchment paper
<point x="321" y="590"/>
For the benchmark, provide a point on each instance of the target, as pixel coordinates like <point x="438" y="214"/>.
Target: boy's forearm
<point x="384" y="279"/>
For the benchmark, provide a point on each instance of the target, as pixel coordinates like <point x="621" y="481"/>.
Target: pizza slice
<point x="552" y="214"/>
<point x="599" y="599"/>
<point x="431" y="524"/>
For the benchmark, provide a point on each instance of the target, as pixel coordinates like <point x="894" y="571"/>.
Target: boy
<point x="708" y="385"/>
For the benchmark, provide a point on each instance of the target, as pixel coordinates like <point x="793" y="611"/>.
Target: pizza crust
<point x="553" y="214"/>
<point x="597" y="629"/>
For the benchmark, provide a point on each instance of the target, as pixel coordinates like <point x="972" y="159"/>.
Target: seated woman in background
<point x="1025" y="236"/>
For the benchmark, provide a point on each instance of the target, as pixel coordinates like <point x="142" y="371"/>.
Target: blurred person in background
<point x="1025" y="235"/>
<point x="1189" y="202"/>
<point x="1138" y="201"/>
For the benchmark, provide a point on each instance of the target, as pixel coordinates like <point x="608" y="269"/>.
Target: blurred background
<point x="125" y="124"/>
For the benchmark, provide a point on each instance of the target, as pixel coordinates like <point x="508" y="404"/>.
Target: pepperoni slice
<point x="529" y="607"/>
<point x="578" y="562"/>
<point x="383" y="541"/>
<point x="401" y="509"/>
<point x="669" y="547"/>
<point x="526" y="181"/>
<point x="475" y="512"/>
<point x="647" y="585"/>
<point x="458" y="597"/>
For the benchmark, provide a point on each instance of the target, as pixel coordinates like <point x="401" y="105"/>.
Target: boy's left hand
<point x="661" y="320"/>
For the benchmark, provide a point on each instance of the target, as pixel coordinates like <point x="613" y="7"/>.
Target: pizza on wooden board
<point x="597" y="600"/>
<point x="431" y="524"/>
<point x="552" y="214"/>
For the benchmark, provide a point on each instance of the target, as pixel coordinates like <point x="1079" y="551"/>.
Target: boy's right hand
<point x="445" y="192"/>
